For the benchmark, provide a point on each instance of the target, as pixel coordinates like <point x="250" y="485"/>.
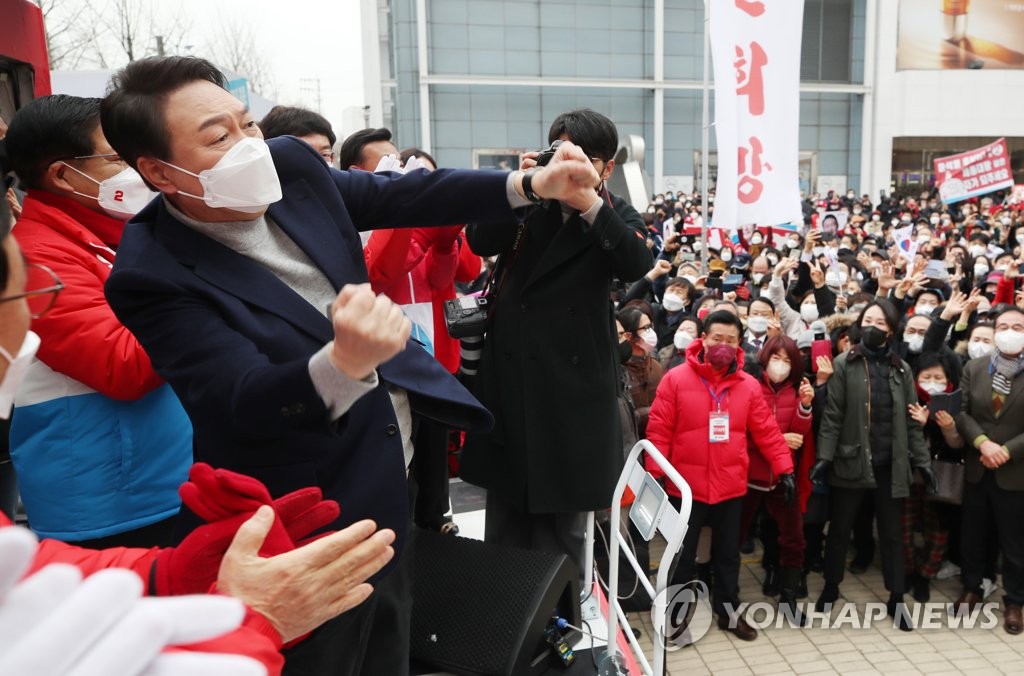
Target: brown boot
<point x="966" y="604"/>
<point x="1012" y="621"/>
<point x="741" y="630"/>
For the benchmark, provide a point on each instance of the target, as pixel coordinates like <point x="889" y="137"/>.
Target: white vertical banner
<point x="755" y="49"/>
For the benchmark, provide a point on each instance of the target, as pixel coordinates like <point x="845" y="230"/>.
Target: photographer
<point x="548" y="370"/>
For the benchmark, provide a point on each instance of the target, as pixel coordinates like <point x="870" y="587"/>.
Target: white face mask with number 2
<point x="244" y="179"/>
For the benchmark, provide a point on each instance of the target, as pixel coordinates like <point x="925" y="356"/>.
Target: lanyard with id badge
<point x="718" y="420"/>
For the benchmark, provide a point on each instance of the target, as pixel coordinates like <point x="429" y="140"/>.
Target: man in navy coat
<point x="246" y="285"/>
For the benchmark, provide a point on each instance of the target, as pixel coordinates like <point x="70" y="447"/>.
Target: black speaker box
<point x="480" y="608"/>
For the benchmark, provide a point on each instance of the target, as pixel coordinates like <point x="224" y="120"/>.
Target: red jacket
<point x="790" y="417"/>
<point x="434" y="258"/>
<point x="256" y="638"/>
<point x="81" y="336"/>
<point x="679" y="428"/>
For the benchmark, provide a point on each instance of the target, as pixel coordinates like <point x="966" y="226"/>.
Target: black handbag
<point x="949" y="476"/>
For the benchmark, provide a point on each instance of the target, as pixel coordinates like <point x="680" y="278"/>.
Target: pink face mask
<point x="720" y="356"/>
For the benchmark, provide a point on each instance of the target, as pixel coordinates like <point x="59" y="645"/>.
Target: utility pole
<point x="366" y="117"/>
<point x="160" y="45"/>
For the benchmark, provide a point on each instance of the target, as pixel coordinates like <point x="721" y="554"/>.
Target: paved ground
<point x="880" y="649"/>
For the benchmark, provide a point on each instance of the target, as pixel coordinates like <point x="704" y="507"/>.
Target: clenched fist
<point x="368" y="330"/>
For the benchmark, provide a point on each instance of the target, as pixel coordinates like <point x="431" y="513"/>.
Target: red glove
<point x="192" y="566"/>
<point x="227" y="499"/>
<point x="742" y="292"/>
<point x="221" y="494"/>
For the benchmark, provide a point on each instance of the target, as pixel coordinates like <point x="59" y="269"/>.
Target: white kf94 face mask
<point x="244" y="179"/>
<point x="122" y="195"/>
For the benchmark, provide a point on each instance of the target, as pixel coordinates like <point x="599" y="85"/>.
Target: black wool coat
<point x="548" y="371"/>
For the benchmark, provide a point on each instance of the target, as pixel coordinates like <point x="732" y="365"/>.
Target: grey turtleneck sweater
<point x="264" y="242"/>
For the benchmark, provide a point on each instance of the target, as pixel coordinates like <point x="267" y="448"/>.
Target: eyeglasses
<point x="42" y="287"/>
<point x="327" y="155"/>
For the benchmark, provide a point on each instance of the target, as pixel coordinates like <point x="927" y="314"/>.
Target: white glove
<point x="414" y="163"/>
<point x="55" y="623"/>
<point x="389" y="163"/>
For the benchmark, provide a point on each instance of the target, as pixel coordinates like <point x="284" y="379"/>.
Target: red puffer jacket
<point x="791" y="417"/>
<point x="679" y="428"/>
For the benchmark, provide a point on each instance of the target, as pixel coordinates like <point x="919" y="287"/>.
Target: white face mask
<point x="672" y="302"/>
<point x="976" y="251"/>
<point x="980" y="270"/>
<point x="932" y="387"/>
<point x="934" y="220"/>
<point x="244" y="179"/>
<point x="1005" y="220"/>
<point x="757" y="278"/>
<point x="778" y="371"/>
<point x="726" y="256"/>
<point x="682" y="340"/>
<point x="808" y="312"/>
<point x="1009" y="342"/>
<point x="757" y="324"/>
<point x="755" y="239"/>
<point x="122" y="195"/>
<point x="915" y="343"/>
<point x="17" y="369"/>
<point x="649" y="339"/>
<point x="979" y="349"/>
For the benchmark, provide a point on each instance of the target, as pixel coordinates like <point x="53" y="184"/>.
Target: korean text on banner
<point x="976" y="172"/>
<point x="755" y="49"/>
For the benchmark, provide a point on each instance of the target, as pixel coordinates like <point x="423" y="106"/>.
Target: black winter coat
<point x="549" y="370"/>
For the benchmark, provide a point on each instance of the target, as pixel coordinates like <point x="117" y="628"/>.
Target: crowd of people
<point x="236" y="329"/>
<point x="886" y="354"/>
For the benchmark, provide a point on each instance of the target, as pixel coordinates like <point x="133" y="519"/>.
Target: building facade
<point x="477" y="81"/>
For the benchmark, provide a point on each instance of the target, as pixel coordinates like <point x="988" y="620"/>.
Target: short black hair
<point x="1002" y="309"/>
<point x="295" y="121"/>
<point x="48" y="129"/>
<point x="723" y="317"/>
<point x="133" y="111"/>
<point x="590" y="130"/>
<point x="892" y="317"/>
<point x="416" y="152"/>
<point x="351" y="151"/>
<point x="763" y="299"/>
<point x="629" y="317"/>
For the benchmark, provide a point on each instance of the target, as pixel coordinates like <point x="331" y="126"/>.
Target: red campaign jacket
<point x="679" y="421"/>
<point x="790" y="417"/>
<point x="435" y="259"/>
<point x="77" y="244"/>
<point x="256" y="638"/>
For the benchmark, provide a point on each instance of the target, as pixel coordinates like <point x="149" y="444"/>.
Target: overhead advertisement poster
<point x="960" y="34"/>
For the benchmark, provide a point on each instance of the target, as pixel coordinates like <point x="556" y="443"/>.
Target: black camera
<point x="546" y="154"/>
<point x="466" y="317"/>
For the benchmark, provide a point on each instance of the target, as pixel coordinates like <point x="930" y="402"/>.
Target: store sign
<point x="976" y="172"/>
<point x="756" y="53"/>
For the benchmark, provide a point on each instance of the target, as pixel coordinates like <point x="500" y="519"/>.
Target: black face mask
<point x="873" y="337"/>
<point x="625" y="351"/>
